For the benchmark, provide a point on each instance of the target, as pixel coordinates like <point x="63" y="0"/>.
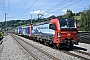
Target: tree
<point x="78" y="14"/>
<point x="85" y="20"/>
<point x="69" y="14"/>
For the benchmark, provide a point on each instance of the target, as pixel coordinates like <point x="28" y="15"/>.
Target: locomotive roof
<point x="46" y="22"/>
<point x="41" y="23"/>
<point x="71" y="19"/>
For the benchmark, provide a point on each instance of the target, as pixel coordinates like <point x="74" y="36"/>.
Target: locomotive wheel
<point x="54" y="46"/>
<point x="38" y="41"/>
<point x="30" y="38"/>
<point x="57" y="47"/>
<point x="50" y="45"/>
<point x="35" y="39"/>
<point x="71" y="47"/>
<point x="45" y="43"/>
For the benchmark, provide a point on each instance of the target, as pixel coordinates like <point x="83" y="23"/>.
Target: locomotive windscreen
<point x="67" y="24"/>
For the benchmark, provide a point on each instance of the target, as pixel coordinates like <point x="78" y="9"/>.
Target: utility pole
<point x="38" y="18"/>
<point x="5" y="25"/>
<point x="31" y="18"/>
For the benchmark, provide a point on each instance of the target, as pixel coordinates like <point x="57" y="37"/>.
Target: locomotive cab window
<point x="67" y="24"/>
<point x="52" y="26"/>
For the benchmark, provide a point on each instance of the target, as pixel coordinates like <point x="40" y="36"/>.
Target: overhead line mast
<point x="5" y="19"/>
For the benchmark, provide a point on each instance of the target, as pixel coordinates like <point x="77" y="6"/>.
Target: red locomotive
<point x="58" y="32"/>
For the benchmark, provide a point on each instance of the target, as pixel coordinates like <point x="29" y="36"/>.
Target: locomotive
<point x="58" y="32"/>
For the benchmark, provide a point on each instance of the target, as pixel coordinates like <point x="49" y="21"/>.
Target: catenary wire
<point x="23" y="5"/>
<point x="55" y="6"/>
<point x="8" y="6"/>
<point x="46" y="3"/>
<point x="60" y="4"/>
<point x="3" y="6"/>
<point x="29" y="8"/>
<point x="67" y="6"/>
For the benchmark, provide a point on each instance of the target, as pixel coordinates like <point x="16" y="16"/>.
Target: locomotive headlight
<point x="59" y="35"/>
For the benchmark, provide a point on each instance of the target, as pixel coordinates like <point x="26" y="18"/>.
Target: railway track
<point x="85" y="53"/>
<point x="31" y="54"/>
<point x="66" y="52"/>
<point x="34" y="56"/>
<point x="75" y="55"/>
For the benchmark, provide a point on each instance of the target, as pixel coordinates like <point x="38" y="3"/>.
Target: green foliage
<point x="69" y="14"/>
<point x="85" y="20"/>
<point x="78" y="14"/>
<point x="77" y="17"/>
<point x="1" y="34"/>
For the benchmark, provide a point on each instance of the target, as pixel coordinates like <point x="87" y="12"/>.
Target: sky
<point x="23" y="9"/>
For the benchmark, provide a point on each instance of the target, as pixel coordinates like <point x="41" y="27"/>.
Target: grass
<point x="77" y="17"/>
